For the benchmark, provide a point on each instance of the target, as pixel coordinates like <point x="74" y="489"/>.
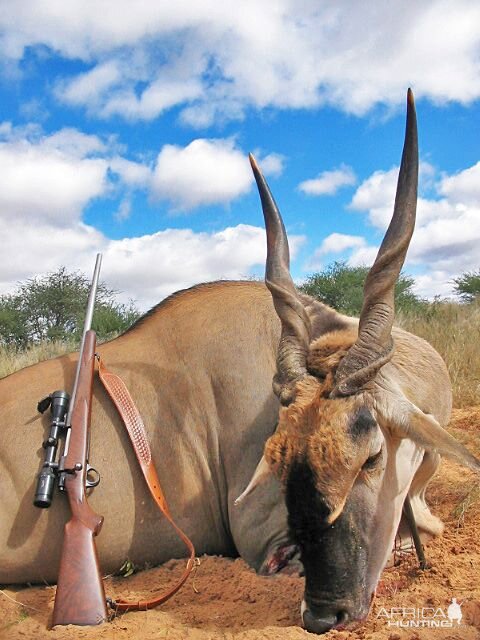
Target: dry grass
<point x="454" y="331"/>
<point x="12" y="359"/>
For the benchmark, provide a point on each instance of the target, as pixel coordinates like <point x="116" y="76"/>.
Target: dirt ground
<point x="227" y="600"/>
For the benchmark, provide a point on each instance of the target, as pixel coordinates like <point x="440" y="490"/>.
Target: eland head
<point x="355" y="424"/>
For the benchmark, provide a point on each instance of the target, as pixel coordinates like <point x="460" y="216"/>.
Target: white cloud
<point x="333" y="244"/>
<point x="376" y="195"/>
<point x="217" y="107"/>
<point x="271" y="164"/>
<point x="86" y="88"/>
<point x="204" y="172"/>
<point x="463" y="186"/>
<point x="215" y="61"/>
<point x="54" y="177"/>
<point x="449" y="243"/>
<point x="363" y="256"/>
<point x="447" y="234"/>
<point x="30" y="249"/>
<point x="150" y="267"/>
<point x="132" y="173"/>
<point x="434" y="283"/>
<point x="145" y="268"/>
<point x="40" y="182"/>
<point x="74" y="143"/>
<point x="329" y="182"/>
<point x="338" y="242"/>
<point x="157" y="98"/>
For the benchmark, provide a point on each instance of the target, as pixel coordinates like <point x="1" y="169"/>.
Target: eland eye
<point x="372" y="461"/>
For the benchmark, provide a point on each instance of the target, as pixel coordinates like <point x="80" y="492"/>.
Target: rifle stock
<point x="80" y="597"/>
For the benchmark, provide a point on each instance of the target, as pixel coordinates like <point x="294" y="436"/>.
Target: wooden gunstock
<point x="80" y="597"/>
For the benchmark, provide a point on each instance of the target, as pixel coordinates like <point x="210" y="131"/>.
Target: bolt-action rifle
<point x="80" y="596"/>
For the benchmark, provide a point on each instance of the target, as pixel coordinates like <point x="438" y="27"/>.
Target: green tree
<point x="12" y="321"/>
<point x="467" y="286"/>
<point x="341" y="287"/>
<point x="52" y="307"/>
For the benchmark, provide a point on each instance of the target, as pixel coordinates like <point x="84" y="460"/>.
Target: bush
<point x="52" y="307"/>
<point x="467" y="286"/>
<point x="341" y="287"/>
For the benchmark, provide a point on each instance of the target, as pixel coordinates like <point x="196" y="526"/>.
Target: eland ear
<point x="425" y="430"/>
<point x="260" y="474"/>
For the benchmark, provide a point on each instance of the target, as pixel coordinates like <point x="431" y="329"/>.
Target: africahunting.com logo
<point x="422" y="617"/>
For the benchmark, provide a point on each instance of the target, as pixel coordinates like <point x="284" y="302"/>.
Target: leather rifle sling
<point x="130" y="415"/>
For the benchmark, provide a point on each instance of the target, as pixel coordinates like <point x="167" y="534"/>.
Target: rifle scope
<point x="58" y="402"/>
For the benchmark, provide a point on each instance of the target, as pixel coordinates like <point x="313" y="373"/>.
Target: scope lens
<point x="44" y="492"/>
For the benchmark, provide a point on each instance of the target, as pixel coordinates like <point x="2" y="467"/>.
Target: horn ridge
<point x="295" y="336"/>
<point x="374" y="346"/>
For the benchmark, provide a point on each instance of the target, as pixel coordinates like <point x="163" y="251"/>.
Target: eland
<point x="354" y="423"/>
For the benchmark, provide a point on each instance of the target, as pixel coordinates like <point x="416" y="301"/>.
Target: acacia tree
<point x="52" y="307"/>
<point x="467" y="286"/>
<point x="341" y="287"/>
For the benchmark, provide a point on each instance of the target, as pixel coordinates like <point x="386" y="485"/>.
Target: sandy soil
<point x="227" y="600"/>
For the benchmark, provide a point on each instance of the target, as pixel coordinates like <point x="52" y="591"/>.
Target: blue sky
<point x="125" y="129"/>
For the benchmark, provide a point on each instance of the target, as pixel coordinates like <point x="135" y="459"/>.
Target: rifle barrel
<point x="86" y="327"/>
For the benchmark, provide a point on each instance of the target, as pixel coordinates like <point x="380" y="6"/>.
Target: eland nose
<point x="320" y="619"/>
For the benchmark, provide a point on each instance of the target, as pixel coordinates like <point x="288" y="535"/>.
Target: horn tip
<point x="256" y="170"/>
<point x="253" y="163"/>
<point x="410" y="98"/>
